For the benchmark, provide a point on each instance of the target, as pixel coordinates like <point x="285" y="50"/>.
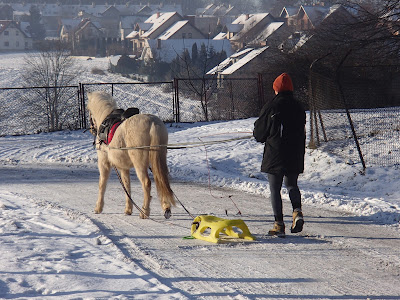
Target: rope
<point x="209" y="183"/>
<point x="183" y="145"/>
<point x="139" y="209"/>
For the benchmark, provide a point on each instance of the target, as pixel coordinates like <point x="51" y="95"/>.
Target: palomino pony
<point x="143" y="138"/>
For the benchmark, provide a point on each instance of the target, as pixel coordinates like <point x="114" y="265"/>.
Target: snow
<point x="53" y="246"/>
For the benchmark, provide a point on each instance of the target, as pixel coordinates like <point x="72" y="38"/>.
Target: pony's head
<point x="100" y="105"/>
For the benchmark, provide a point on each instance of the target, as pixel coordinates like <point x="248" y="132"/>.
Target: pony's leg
<point x="144" y="178"/>
<point x="104" y="170"/>
<point x="127" y="183"/>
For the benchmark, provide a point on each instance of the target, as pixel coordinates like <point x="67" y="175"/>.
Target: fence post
<point x="260" y="91"/>
<point x="83" y="106"/>
<point x="347" y="109"/>
<point x="176" y="100"/>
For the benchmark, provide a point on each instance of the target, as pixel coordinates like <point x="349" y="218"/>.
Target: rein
<point x="182" y="145"/>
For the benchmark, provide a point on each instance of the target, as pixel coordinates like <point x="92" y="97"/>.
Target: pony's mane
<point x="100" y="104"/>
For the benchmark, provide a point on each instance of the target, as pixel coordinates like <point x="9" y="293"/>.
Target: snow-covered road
<point x="338" y="256"/>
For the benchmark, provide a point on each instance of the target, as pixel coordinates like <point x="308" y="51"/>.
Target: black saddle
<point x="117" y="115"/>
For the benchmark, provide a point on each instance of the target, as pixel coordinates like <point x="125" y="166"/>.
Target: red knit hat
<point x="283" y="83"/>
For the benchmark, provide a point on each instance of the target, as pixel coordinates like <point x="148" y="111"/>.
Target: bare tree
<point x="53" y="72"/>
<point x="193" y="73"/>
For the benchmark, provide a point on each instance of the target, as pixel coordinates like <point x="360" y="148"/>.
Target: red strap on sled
<point x="112" y="131"/>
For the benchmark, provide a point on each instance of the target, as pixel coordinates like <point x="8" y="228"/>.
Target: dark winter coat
<point x="281" y="127"/>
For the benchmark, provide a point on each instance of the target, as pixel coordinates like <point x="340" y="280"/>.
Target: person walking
<point x="281" y="126"/>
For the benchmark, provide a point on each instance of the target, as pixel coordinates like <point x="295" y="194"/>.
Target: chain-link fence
<point x="356" y="114"/>
<point x="155" y="98"/>
<point x="36" y="109"/>
<point x="210" y="99"/>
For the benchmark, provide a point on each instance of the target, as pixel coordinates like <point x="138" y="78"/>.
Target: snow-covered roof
<point x="242" y="52"/>
<point x="70" y="24"/>
<point x="289" y="11"/>
<point x="268" y="31"/>
<point x="94" y="9"/>
<point x="172" y="30"/>
<point x="220" y="36"/>
<point x="229" y="61"/>
<point x="248" y="22"/>
<point x="132" y="35"/>
<point x="243" y="61"/>
<point x="157" y="20"/>
<point x="145" y="26"/>
<point x="221" y="66"/>
<point x="315" y="13"/>
<point x="234" y="27"/>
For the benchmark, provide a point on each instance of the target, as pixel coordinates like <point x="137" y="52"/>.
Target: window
<point x="6" y="44"/>
<point x="190" y="35"/>
<point x="6" y="32"/>
<point x="183" y="35"/>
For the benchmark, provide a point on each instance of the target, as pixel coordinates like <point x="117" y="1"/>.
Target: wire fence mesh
<point x="155" y="98"/>
<point x="209" y="99"/>
<point x="356" y="115"/>
<point x="38" y="109"/>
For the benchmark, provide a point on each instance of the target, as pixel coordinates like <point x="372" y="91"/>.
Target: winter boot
<point x="298" y="221"/>
<point x="278" y="230"/>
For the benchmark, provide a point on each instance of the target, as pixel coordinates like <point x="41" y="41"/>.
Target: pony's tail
<point x="159" y="168"/>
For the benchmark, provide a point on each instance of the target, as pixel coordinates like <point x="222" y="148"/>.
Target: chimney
<point x="247" y="16"/>
<point x="158" y="14"/>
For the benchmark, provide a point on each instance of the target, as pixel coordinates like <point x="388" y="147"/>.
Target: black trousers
<point x="275" y="186"/>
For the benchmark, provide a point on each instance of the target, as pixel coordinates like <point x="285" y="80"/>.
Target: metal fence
<point x="355" y="114"/>
<point x="155" y="98"/>
<point x="35" y="109"/>
<point x="208" y="99"/>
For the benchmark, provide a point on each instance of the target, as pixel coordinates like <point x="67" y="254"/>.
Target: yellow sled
<point x="218" y="225"/>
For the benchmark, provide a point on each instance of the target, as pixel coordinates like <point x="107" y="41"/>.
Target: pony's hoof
<point x="167" y="213"/>
<point x="143" y="216"/>
<point x="145" y="213"/>
<point x="98" y="211"/>
<point x="128" y="212"/>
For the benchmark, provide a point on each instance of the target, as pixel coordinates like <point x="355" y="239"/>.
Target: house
<point x="108" y="15"/>
<point x="163" y="36"/>
<point x="309" y="17"/>
<point x="175" y="40"/>
<point x="127" y="24"/>
<point x="246" y="28"/>
<point x="289" y="16"/>
<point x="67" y="29"/>
<point x="84" y="35"/>
<point x="151" y="28"/>
<point x="315" y="21"/>
<point x="12" y="37"/>
<point x="272" y="35"/>
<point x="181" y="30"/>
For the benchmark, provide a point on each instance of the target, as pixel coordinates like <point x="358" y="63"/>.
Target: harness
<point x="110" y="124"/>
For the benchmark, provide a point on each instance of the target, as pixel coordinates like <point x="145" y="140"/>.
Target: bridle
<point x="92" y="128"/>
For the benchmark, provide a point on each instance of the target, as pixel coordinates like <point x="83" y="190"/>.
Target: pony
<point x="139" y="142"/>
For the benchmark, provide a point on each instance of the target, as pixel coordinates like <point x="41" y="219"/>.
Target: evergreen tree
<point x="195" y="53"/>
<point x="36" y="29"/>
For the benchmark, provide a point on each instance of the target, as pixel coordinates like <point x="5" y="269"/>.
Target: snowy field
<point x="54" y="246"/>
